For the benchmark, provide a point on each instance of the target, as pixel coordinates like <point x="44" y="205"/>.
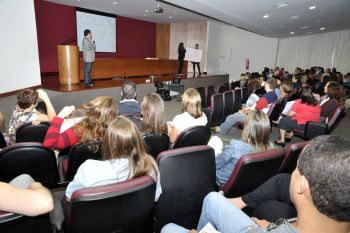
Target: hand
<point x="193" y="231"/>
<point x="67" y="110"/>
<point x="262" y="223"/>
<point x="43" y="95"/>
<point x="35" y="123"/>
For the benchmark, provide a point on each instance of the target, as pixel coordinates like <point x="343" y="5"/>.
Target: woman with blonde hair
<point x="124" y="158"/>
<point x="255" y="138"/>
<point x="192" y="114"/>
<point x="152" y="111"/>
<point x="96" y="116"/>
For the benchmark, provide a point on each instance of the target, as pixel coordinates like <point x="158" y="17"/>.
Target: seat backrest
<point x="29" y="158"/>
<point x="228" y="103"/>
<point x="333" y="118"/>
<point x="217" y="109"/>
<point x="292" y="153"/>
<point x="252" y="170"/>
<point x="210" y="91"/>
<point x="202" y="93"/>
<point x="2" y="141"/>
<point x="235" y="84"/>
<point x="237" y="103"/>
<point x="120" y="207"/>
<point x="223" y="88"/>
<point x="244" y="94"/>
<point x="187" y="175"/>
<point x="276" y="110"/>
<point x="156" y="143"/>
<point x="79" y="154"/>
<point x="32" y="133"/>
<point x="193" y="136"/>
<point x="16" y="223"/>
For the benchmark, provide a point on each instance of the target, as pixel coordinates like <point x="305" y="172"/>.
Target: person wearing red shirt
<point x="97" y="114"/>
<point x="305" y="109"/>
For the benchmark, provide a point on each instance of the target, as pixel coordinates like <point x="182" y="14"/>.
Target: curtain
<point x="327" y="50"/>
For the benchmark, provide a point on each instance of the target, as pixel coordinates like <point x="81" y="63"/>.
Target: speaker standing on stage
<point x="196" y="46"/>
<point x="89" y="48"/>
<point x="182" y="51"/>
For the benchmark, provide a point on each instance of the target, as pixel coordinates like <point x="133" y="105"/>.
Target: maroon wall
<point x="56" y="24"/>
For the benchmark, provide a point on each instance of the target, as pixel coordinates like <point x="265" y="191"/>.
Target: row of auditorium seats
<point x="129" y="206"/>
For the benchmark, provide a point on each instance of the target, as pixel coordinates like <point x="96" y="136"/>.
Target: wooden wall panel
<point x="162" y="40"/>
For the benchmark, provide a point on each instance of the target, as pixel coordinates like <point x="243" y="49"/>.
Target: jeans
<point x="231" y="120"/>
<point x="87" y="72"/>
<point x="221" y="213"/>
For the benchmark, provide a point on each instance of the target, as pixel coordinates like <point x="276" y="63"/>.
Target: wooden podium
<point x="68" y="64"/>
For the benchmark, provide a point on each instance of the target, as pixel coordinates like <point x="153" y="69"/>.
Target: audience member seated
<point x="263" y="103"/>
<point x="320" y="87"/>
<point x="319" y="195"/>
<point x="129" y="104"/>
<point x="153" y="119"/>
<point x="255" y="138"/>
<point x="25" y="111"/>
<point x="305" y="109"/>
<point x="124" y="157"/>
<point x="192" y="114"/>
<point x="24" y="196"/>
<point x="96" y="116"/>
<point x="1" y="121"/>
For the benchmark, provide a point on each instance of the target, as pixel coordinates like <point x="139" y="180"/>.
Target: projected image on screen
<point x="103" y="30"/>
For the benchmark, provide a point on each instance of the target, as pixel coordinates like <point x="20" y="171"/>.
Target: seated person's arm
<point x="291" y="113"/>
<point x="33" y="201"/>
<point x="50" y="109"/>
<point x="173" y="133"/>
<point x="1" y="120"/>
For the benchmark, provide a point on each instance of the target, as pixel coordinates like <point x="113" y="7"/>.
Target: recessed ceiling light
<point x="146" y="11"/>
<point x="304" y="27"/>
<point x="292" y="33"/>
<point x="312" y="7"/>
<point x="266" y="16"/>
<point x="175" y="13"/>
<point x="294" y="17"/>
<point x="170" y="17"/>
<point x="322" y="29"/>
<point x="115" y="3"/>
<point x="281" y="4"/>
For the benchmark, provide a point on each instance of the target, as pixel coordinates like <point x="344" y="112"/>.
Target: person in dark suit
<point x="196" y="46"/>
<point x="182" y="51"/>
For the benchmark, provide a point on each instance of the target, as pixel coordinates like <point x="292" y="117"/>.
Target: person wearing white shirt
<point x="192" y="114"/>
<point x="122" y="146"/>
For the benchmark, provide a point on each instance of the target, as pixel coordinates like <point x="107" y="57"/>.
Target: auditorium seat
<point x="124" y="207"/>
<point x="215" y="112"/>
<point x="16" y="223"/>
<point x="78" y="155"/>
<point x="237" y="103"/>
<point x="2" y="141"/>
<point x="290" y="160"/>
<point x="235" y="84"/>
<point x="223" y="88"/>
<point x="193" y="136"/>
<point x="244" y="94"/>
<point x="314" y="129"/>
<point x="276" y="110"/>
<point x="251" y="171"/>
<point x="228" y="103"/>
<point x="201" y="91"/>
<point x="32" y="133"/>
<point x="29" y="158"/>
<point x="156" y="143"/>
<point x="210" y="91"/>
<point x="187" y="175"/>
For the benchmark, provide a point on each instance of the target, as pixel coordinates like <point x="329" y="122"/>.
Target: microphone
<point x="94" y="42"/>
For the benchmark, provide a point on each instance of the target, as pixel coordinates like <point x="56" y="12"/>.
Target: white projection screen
<point x="103" y="30"/>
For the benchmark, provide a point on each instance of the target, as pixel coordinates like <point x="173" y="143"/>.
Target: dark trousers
<point x="181" y="64"/>
<point x="271" y="200"/>
<point x="288" y="124"/>
<point x="194" y="67"/>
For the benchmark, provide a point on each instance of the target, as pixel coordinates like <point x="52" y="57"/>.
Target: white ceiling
<point x="333" y="15"/>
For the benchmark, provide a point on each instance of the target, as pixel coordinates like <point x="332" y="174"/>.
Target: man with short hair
<point x="88" y="47"/>
<point x="262" y="104"/>
<point x="319" y="189"/>
<point x="128" y="104"/>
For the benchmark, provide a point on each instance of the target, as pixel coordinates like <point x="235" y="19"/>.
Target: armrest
<point x="314" y="129"/>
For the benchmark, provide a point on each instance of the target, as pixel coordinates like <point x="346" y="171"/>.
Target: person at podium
<point x="89" y="48"/>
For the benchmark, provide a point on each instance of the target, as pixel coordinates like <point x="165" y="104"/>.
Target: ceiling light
<point x="292" y="33"/>
<point x="266" y="16"/>
<point x="170" y="17"/>
<point x="281" y="4"/>
<point x="322" y="29"/>
<point x="115" y="3"/>
<point x="312" y="7"/>
<point x="304" y="27"/>
<point x="282" y="26"/>
<point x="294" y="17"/>
<point x="175" y="13"/>
<point x="146" y="11"/>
